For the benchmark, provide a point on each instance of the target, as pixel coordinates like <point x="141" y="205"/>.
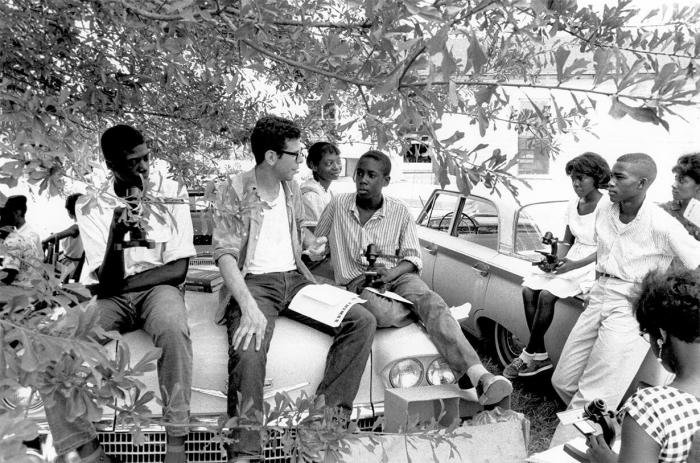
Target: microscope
<point x="595" y="411"/>
<point x="136" y="232"/>
<point x="551" y="260"/>
<point x="371" y="275"/>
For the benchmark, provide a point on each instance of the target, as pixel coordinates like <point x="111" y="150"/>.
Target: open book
<point x="324" y="303"/>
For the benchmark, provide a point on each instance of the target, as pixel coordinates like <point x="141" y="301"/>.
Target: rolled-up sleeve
<point x="409" y="246"/>
<point x="323" y="227"/>
<point x="227" y="238"/>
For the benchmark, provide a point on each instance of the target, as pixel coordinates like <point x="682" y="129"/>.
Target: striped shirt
<point x="649" y="242"/>
<point x="391" y="229"/>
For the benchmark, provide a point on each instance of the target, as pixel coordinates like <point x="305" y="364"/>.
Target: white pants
<point x="604" y="350"/>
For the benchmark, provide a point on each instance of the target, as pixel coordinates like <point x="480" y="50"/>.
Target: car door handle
<point x="431" y="248"/>
<point x="481" y="269"/>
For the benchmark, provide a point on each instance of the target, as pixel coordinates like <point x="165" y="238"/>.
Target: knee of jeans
<point x="365" y="321"/>
<point x="248" y="359"/>
<point x="173" y="330"/>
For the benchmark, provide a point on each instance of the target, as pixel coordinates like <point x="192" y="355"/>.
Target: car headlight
<point x="406" y="373"/>
<point x="22" y="397"/>
<point x="439" y="372"/>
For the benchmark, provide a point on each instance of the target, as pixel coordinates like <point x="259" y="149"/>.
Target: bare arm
<point x="71" y="231"/>
<point x="637" y="446"/>
<point x="253" y="322"/>
<point x="173" y="273"/>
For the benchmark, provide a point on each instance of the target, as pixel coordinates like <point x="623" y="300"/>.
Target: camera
<point x="550" y="260"/>
<point x="594" y="412"/>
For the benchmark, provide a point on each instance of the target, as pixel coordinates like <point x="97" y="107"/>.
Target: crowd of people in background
<point x="639" y="272"/>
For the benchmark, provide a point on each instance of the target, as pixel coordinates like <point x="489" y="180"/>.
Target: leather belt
<point x="608" y="275"/>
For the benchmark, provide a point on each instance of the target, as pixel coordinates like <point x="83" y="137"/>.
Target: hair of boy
<point x="70" y="202"/>
<point x="119" y="141"/>
<point x="381" y="158"/>
<point x="644" y="164"/>
<point x="272" y="133"/>
<point x="592" y="165"/>
<point x="16" y="203"/>
<point x="318" y="150"/>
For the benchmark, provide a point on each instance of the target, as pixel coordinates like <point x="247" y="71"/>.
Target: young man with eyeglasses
<point x="136" y="287"/>
<point x="261" y="264"/>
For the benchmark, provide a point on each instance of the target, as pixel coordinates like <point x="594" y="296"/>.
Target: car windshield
<point x="533" y="221"/>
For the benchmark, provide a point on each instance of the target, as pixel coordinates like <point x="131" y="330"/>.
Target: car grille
<point x="200" y="447"/>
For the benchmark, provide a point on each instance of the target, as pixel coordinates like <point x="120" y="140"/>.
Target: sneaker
<point x="492" y="389"/>
<point x="535" y="367"/>
<point x="513" y="370"/>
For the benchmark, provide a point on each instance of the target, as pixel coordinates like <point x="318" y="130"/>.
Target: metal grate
<point x="200" y="447"/>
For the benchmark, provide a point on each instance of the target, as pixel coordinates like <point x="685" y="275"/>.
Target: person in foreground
<point x="263" y="271"/>
<point x="575" y="272"/>
<point x="136" y="288"/>
<point x="658" y="422"/>
<point x="352" y="221"/>
<point x="634" y="236"/>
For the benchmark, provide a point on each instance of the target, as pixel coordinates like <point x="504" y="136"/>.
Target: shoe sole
<point x="497" y="391"/>
<point x="539" y="370"/>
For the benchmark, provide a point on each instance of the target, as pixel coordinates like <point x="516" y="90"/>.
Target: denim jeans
<point x="161" y="312"/>
<point x="443" y="330"/>
<point x="345" y="362"/>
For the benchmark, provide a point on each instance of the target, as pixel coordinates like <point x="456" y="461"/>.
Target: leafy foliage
<point x="192" y="74"/>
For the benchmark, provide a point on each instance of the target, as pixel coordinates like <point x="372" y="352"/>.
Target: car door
<point x="434" y="225"/>
<point x="461" y="235"/>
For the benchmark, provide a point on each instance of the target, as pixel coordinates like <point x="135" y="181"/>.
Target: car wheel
<point x="507" y="346"/>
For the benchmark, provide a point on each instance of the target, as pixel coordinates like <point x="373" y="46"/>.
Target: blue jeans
<point x="443" y="330"/>
<point x="345" y="362"/>
<point x="161" y="312"/>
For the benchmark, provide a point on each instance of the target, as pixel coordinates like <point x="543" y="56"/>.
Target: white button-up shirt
<point x="649" y="242"/>
<point x="171" y="231"/>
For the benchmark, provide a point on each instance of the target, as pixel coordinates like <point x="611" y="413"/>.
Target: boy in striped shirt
<point x="353" y="221"/>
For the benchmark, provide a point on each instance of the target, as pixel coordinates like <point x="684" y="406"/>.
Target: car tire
<point x="506" y="345"/>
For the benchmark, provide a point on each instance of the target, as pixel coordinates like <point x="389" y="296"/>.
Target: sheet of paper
<point x="692" y="212"/>
<point x="558" y="455"/>
<point x="390" y="295"/>
<point x="324" y="303"/>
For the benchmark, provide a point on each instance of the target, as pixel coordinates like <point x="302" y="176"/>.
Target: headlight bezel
<point x="439" y="365"/>
<point x="398" y="370"/>
<point x="22" y="397"/>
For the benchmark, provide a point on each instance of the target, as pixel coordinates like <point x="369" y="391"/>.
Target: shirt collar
<point x="379" y="213"/>
<point x="250" y="183"/>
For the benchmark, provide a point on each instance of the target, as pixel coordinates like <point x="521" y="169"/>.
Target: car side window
<point x="534" y="221"/>
<point x="478" y="222"/>
<point x="440" y="213"/>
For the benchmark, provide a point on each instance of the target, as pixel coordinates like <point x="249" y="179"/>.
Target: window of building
<point x="532" y="156"/>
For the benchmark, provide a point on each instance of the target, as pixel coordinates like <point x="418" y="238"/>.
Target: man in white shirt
<point x="604" y="350"/>
<point x="260" y="261"/>
<point x="137" y="287"/>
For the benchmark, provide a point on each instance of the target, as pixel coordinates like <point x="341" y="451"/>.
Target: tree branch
<point x="217" y="12"/>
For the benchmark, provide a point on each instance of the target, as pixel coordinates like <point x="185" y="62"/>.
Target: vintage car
<point x="402" y="357"/>
<point x="477" y="248"/>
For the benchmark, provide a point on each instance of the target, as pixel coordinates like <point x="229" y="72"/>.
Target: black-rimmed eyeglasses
<point x="299" y="156"/>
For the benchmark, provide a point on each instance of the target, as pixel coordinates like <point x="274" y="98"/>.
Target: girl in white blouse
<point x="575" y="272"/>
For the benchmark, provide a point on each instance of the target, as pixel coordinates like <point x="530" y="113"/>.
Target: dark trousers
<point x="345" y="362"/>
